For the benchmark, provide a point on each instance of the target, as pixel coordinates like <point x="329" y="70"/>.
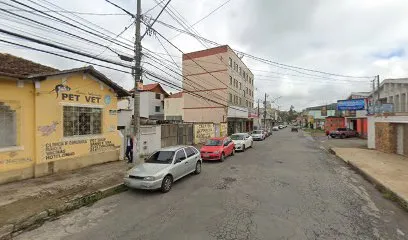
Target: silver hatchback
<point x="164" y="167"/>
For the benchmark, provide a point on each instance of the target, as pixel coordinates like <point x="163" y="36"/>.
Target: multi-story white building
<point x="151" y="105"/>
<point x="218" y="87"/>
<point x="393" y="91"/>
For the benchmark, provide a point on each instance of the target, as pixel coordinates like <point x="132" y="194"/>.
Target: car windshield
<point x="237" y="137"/>
<point x="165" y="157"/>
<point x="257" y="132"/>
<point x="213" y="142"/>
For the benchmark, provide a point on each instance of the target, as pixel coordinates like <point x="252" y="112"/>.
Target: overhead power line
<point x="67" y="11"/>
<point x="205" y="17"/>
<point x="61" y="55"/>
<point x="291" y="67"/>
<point x="69" y="24"/>
<point x="62" y="48"/>
<point x="158" y="15"/>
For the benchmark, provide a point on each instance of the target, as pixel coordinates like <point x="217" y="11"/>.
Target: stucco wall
<point x="173" y="107"/>
<point x="16" y="162"/>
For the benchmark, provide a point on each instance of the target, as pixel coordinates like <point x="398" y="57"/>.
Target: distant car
<point x="275" y="128"/>
<point x="165" y="166"/>
<point x="343" y="133"/>
<point x="294" y="129"/>
<point x="242" y="141"/>
<point x="258" y="135"/>
<point x="280" y="126"/>
<point x="217" y="149"/>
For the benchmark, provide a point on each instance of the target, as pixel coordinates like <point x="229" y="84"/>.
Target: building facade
<point x="357" y="119"/>
<point x="393" y="91"/>
<point x="173" y="107"/>
<point x="316" y="116"/>
<point x="151" y="106"/>
<point x="218" y="87"/>
<point x="53" y="121"/>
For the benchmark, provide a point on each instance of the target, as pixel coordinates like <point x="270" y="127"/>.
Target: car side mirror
<point x="226" y="144"/>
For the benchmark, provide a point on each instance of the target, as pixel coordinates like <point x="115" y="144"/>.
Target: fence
<point x="176" y="134"/>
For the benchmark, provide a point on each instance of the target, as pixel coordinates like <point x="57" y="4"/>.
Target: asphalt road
<point x="286" y="187"/>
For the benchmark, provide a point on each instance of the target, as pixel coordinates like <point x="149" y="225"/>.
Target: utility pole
<point x="259" y="124"/>
<point x="378" y="89"/>
<point x="264" y="113"/>
<point x="138" y="81"/>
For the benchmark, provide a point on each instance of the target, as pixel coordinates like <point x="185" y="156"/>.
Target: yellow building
<point x="52" y="120"/>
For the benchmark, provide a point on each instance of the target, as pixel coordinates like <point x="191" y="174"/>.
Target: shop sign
<point x="354" y="104"/>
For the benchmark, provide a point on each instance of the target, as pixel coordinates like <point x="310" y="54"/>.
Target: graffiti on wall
<point x="47" y="130"/>
<point x="58" y="150"/>
<point x="223" y="129"/>
<point x="14" y="161"/>
<point x="100" y="145"/>
<point x="203" y="131"/>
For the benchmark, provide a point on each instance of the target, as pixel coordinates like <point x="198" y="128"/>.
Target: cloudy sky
<point x="348" y="37"/>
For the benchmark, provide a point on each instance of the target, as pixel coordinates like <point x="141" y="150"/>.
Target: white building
<point x="151" y="106"/>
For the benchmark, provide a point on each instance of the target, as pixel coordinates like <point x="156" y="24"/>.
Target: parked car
<point x="275" y="128"/>
<point x="217" y="149"/>
<point x="165" y="166"/>
<point x="242" y="141"/>
<point x="343" y="133"/>
<point x="294" y="129"/>
<point x="258" y="135"/>
<point x="280" y="126"/>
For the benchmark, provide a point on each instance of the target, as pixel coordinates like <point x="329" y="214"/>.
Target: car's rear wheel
<point x="198" y="168"/>
<point x="222" y="158"/>
<point x="166" y="184"/>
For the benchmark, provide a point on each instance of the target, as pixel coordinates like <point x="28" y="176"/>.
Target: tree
<point x="292" y="114"/>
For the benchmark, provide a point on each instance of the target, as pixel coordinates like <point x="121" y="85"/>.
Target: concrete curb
<point x="391" y="195"/>
<point x="9" y="231"/>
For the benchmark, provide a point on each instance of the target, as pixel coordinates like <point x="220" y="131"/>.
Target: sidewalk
<point x="27" y="203"/>
<point x="389" y="172"/>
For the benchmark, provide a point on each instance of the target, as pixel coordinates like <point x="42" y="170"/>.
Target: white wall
<point x="237" y="112"/>
<point x="150" y="139"/>
<point x="371" y="132"/>
<point x="148" y="102"/>
<point x="173" y="107"/>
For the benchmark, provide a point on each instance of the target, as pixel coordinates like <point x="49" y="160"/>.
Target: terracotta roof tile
<point x="19" y="67"/>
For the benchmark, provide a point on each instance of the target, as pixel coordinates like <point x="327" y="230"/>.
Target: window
<point x="235" y="65"/>
<point x="247" y="90"/>
<point x="157" y="108"/>
<point x="180" y="155"/>
<point x="240" y="101"/>
<point x="230" y="80"/>
<point x="190" y="152"/>
<point x="240" y="72"/>
<point x="230" y="97"/>
<point x="158" y="96"/>
<point x="8" y="126"/>
<point x="246" y="103"/>
<point x="240" y="86"/>
<point x="80" y="121"/>
<point x="243" y="74"/>
<point x="230" y="62"/>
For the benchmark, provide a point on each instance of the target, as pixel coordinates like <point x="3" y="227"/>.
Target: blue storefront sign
<point x="354" y="104"/>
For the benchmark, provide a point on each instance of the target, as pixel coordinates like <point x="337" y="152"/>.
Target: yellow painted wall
<point x="18" y="97"/>
<point x="203" y="131"/>
<point x="84" y="91"/>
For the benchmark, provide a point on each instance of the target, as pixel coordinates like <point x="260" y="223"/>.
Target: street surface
<point x="286" y="187"/>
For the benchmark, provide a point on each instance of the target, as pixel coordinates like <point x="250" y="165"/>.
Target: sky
<point x="348" y="37"/>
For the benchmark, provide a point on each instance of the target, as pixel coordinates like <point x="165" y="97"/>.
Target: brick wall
<point x="386" y="137"/>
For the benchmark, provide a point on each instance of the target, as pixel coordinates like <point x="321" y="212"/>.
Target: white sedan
<point x="242" y="141"/>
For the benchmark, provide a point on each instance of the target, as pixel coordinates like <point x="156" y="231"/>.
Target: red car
<point x="217" y="149"/>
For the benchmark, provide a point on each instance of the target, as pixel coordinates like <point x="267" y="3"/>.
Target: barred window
<point x="80" y="121"/>
<point x="8" y="126"/>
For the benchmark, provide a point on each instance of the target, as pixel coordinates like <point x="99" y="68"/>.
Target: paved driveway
<point x="284" y="188"/>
